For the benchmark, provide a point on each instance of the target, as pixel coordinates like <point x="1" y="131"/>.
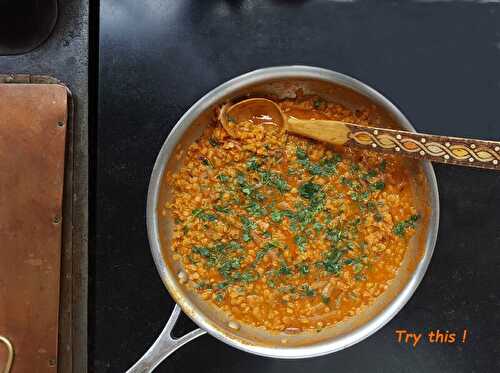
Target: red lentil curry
<point x="286" y="233"/>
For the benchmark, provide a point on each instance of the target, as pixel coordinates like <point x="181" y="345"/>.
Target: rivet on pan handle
<point x="10" y="353"/>
<point x="164" y="345"/>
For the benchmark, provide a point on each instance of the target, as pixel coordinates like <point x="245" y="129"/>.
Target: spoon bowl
<point x="254" y="111"/>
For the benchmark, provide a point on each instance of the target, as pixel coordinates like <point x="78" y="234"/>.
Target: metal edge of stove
<point x="67" y="296"/>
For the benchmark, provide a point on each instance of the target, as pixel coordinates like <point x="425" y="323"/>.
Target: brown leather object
<point x="32" y="148"/>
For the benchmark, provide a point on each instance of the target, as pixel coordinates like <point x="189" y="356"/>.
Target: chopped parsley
<point x="223" y="209"/>
<point x="248" y="226"/>
<point x="325" y="167"/>
<point x="277" y="216"/>
<point x="248" y="276"/>
<point x="275" y="180"/>
<point x="317" y="226"/>
<point x="308" y="190"/>
<point x="335" y="235"/>
<point x="303" y="268"/>
<point x="301" y="242"/>
<point x="401" y="227"/>
<point x="253" y="165"/>
<point x="332" y="261"/>
<point x="255" y="209"/>
<point x="202" y="215"/>
<point x="264" y="250"/>
<point x="284" y="269"/>
<point x="213" y="142"/>
<point x="206" y="162"/>
<point x="378" y="185"/>
<point x="370" y="174"/>
<point x="307" y="290"/>
<point x="357" y="197"/>
<point x="223" y="178"/>
<point x="318" y="103"/>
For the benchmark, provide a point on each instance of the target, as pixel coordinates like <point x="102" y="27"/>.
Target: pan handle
<point x="164" y="345"/>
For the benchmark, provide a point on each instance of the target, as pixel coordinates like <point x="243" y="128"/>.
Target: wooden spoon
<point x="443" y="149"/>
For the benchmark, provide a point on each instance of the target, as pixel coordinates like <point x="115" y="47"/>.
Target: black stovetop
<point x="438" y="61"/>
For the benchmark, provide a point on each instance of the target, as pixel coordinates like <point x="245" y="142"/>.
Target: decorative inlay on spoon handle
<point x="465" y="152"/>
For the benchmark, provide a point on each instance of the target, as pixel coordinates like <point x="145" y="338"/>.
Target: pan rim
<point x="169" y="279"/>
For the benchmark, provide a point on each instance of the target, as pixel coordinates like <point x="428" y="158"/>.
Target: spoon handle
<point x="443" y="149"/>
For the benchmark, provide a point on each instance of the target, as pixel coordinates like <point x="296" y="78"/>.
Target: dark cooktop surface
<point x="438" y="61"/>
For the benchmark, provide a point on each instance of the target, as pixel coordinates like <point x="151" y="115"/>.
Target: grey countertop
<point x="64" y="56"/>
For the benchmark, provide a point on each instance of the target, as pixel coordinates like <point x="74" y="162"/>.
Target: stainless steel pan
<point x="281" y="82"/>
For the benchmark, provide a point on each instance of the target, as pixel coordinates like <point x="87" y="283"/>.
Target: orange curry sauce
<point x="287" y="233"/>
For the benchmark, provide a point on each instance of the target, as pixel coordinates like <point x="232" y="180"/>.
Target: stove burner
<point x="25" y="24"/>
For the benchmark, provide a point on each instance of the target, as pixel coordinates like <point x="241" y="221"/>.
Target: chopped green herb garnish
<point x="223" y="178"/>
<point x="277" y="216"/>
<point x="359" y="196"/>
<point x="357" y="267"/>
<point x="253" y="165"/>
<point x="223" y="209"/>
<point x="401" y="227"/>
<point x="335" y="235"/>
<point x="202" y="285"/>
<point x="331" y="262"/>
<point x="206" y="162"/>
<point x="202" y="215"/>
<point x="301" y="154"/>
<point x="369" y="174"/>
<point x="203" y="251"/>
<point x="317" y="227"/>
<point x="326" y="167"/>
<point x="345" y="181"/>
<point x="248" y="226"/>
<point x="301" y="242"/>
<point x="307" y="290"/>
<point x="317" y="103"/>
<point x="249" y="277"/>
<point x="223" y="285"/>
<point x="275" y="180"/>
<point x="309" y="189"/>
<point x="264" y="250"/>
<point x="303" y="268"/>
<point x="359" y="277"/>
<point x="255" y="209"/>
<point x="213" y="142"/>
<point x="379" y="185"/>
<point x="284" y="269"/>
